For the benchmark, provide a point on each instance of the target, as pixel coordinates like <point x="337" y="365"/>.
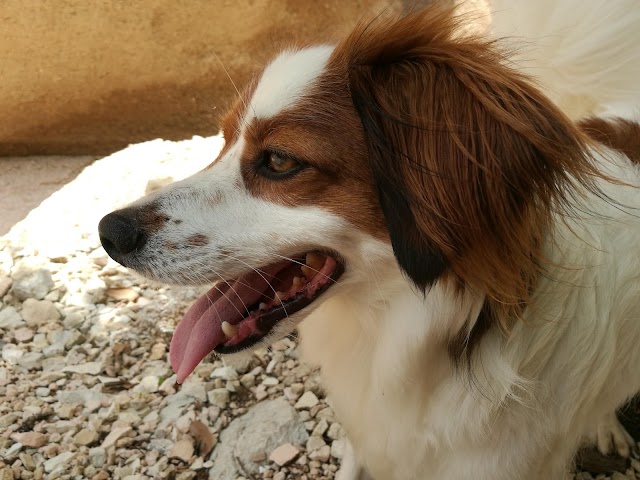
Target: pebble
<point x="34" y="284"/>
<point x="5" y="284"/>
<point x="335" y="431"/>
<point x="31" y="360"/>
<point x="218" y="397"/>
<point x="88" y="368"/>
<point x="12" y="355"/>
<point x="307" y="401"/>
<point x="284" y="454"/>
<point x="85" y="437"/>
<point x="60" y="460"/>
<point x="322" y="454"/>
<point x="23" y="335"/>
<point x="10" y="318"/>
<point x="115" y="435"/>
<point x="337" y="448"/>
<point x="226" y="373"/>
<point x="182" y="450"/>
<point x="314" y="443"/>
<point x="11" y="452"/>
<point x="98" y="457"/>
<point x="39" y="312"/>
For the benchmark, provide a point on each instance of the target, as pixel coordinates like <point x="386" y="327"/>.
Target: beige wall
<point x="91" y="76"/>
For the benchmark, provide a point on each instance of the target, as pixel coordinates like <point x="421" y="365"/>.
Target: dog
<point x="453" y="229"/>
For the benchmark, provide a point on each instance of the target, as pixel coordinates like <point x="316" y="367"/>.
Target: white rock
<point x="284" y="454"/>
<point x="73" y="320"/>
<point x="88" y="368"/>
<point x="12" y="355"/>
<point x="5" y="284"/>
<point x="335" y="431"/>
<point x="114" y="435"/>
<point x="58" y="461"/>
<point x="11" y="452"/>
<point x="150" y="383"/>
<point x="337" y="448"/>
<point x="82" y="396"/>
<point x="226" y="373"/>
<point x="264" y="427"/>
<point x="321" y="455"/>
<point x="31" y="360"/>
<point x="98" y="456"/>
<point x="314" y="443"/>
<point x="39" y="312"/>
<point x="32" y="284"/>
<point x="10" y="319"/>
<point x="320" y="428"/>
<point x="218" y="397"/>
<point x="307" y="401"/>
<point x="53" y="350"/>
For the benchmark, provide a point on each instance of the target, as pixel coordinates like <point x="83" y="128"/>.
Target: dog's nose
<point x="121" y="234"/>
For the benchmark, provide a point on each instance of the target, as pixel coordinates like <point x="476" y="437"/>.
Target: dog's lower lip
<point x="270" y="318"/>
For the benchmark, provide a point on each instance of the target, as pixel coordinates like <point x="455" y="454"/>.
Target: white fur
<point x="586" y="55"/>
<point x="286" y="79"/>
<point x="532" y="396"/>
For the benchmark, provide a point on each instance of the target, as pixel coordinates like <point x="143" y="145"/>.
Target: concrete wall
<point x="90" y="77"/>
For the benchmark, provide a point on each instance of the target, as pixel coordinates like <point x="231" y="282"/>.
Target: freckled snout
<point x="122" y="233"/>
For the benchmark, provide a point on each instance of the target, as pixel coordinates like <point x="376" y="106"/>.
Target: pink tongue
<point x="200" y="331"/>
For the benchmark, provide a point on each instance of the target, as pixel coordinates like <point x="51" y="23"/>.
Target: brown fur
<point x="334" y="177"/>
<point x="481" y="155"/>
<point x="467" y="159"/>
<point x="618" y="133"/>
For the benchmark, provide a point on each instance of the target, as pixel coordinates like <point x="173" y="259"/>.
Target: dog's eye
<point x="279" y="164"/>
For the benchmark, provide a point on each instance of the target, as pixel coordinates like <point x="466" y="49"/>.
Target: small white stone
<point x="58" y="461"/>
<point x="31" y="360"/>
<point x="314" y="443"/>
<point x="270" y="381"/>
<point x="32" y="284"/>
<point x="307" y="401"/>
<point x="226" y="373"/>
<point x="218" y="397"/>
<point x="337" y="448"/>
<point x="12" y="355"/>
<point x="322" y="454"/>
<point x="39" y="312"/>
<point x="10" y="319"/>
<point x="88" y="368"/>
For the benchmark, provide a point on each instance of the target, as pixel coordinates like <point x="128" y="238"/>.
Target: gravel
<point x="86" y="390"/>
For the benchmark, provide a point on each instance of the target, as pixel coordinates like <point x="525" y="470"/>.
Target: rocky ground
<point x="86" y="390"/>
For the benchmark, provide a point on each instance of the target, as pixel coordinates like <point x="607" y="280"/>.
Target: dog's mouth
<point x="236" y="314"/>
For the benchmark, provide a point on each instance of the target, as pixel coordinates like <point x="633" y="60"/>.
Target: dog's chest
<point x="383" y="398"/>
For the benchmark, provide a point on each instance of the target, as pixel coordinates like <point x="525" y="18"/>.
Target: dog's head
<point x="402" y="143"/>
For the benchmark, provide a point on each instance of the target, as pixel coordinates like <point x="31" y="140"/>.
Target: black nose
<point x="120" y="234"/>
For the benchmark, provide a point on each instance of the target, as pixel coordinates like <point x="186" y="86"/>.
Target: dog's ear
<point x="470" y="160"/>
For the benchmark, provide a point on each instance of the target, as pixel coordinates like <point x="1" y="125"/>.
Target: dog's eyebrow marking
<point x="286" y="79"/>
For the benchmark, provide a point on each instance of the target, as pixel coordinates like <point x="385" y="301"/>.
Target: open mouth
<point x="237" y="314"/>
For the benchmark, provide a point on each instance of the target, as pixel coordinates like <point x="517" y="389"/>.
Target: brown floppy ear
<point x="470" y="160"/>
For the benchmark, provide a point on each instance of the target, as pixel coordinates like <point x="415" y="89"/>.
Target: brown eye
<point x="279" y="164"/>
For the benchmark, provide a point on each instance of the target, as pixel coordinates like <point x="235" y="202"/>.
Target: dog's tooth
<point x="297" y="282"/>
<point x="229" y="330"/>
<point x="262" y="306"/>
<point x="279" y="296"/>
<point x="308" y="272"/>
<point x="315" y="260"/>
